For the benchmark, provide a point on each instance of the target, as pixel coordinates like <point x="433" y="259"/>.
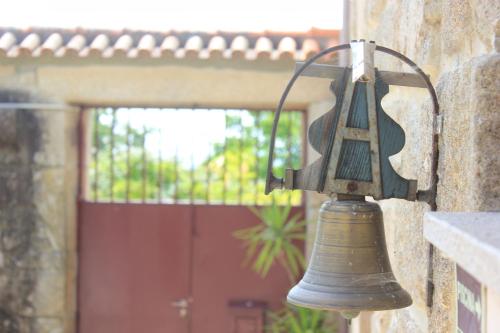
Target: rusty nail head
<point x="352" y="186"/>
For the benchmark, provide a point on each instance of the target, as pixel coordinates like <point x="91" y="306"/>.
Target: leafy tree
<point x="233" y="172"/>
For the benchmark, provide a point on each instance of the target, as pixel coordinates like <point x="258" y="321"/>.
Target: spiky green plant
<point x="299" y="320"/>
<point x="273" y="240"/>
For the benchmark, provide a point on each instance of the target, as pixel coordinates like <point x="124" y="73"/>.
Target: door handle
<point x="183" y="305"/>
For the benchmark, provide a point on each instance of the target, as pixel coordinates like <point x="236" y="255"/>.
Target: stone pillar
<point x="38" y="178"/>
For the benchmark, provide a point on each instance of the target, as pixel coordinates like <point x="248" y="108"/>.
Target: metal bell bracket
<point x="356" y="137"/>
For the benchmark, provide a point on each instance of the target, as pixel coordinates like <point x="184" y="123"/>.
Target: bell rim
<point x="346" y="308"/>
<point x="362" y="299"/>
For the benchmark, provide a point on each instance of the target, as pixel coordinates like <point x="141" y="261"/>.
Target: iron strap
<point x="273" y="182"/>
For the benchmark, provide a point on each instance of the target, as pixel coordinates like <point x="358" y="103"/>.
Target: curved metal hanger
<point x="273" y="182"/>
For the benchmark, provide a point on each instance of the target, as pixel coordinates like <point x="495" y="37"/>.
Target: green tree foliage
<point x="233" y="172"/>
<point x="122" y="165"/>
<point x="293" y="319"/>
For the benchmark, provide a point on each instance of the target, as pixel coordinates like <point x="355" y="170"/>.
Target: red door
<point x="134" y="263"/>
<point x="170" y="268"/>
<point x="221" y="285"/>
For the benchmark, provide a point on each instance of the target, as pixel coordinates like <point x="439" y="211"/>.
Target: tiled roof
<point x="60" y="43"/>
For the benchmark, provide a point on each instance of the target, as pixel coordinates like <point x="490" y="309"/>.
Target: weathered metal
<point x="96" y="155"/>
<point x="112" y="155"/>
<point x="144" y="171"/>
<point x="352" y="100"/>
<point x="391" y="78"/>
<point x="363" y="68"/>
<point x="160" y="167"/>
<point x="127" y="174"/>
<point x="349" y="269"/>
<point x="132" y="163"/>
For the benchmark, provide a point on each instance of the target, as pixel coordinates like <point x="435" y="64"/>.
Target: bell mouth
<point x="350" y="300"/>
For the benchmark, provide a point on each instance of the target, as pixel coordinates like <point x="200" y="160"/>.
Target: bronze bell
<point x="349" y="269"/>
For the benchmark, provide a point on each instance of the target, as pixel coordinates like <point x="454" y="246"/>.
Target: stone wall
<point x="38" y="160"/>
<point x="456" y="42"/>
<point x="37" y="218"/>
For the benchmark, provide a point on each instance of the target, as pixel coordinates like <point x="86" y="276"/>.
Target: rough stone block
<point x="469" y="146"/>
<point x="17" y="288"/>
<point x="8" y="188"/>
<point x="26" y="241"/>
<point x="456" y="24"/>
<point x="8" y="133"/>
<point x="50" y="203"/>
<point x="48" y="296"/>
<point x="8" y="322"/>
<point x="48" y="325"/>
<point x="51" y="260"/>
<point x="381" y="321"/>
<point x="18" y="227"/>
<point x="71" y="284"/>
<point x="15" y="186"/>
<point x="486" y="127"/>
<point x="486" y="20"/>
<point x="52" y="139"/>
<point x="28" y="136"/>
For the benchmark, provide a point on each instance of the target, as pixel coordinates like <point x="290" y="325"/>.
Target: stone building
<point x="457" y="44"/>
<point x="47" y="77"/>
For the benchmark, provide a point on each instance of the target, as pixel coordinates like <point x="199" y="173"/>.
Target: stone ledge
<point x="472" y="240"/>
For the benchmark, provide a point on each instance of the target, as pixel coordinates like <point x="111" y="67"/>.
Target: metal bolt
<point x="352" y="186"/>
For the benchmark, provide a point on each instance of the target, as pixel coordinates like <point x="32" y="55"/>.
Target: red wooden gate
<point x="170" y="268"/>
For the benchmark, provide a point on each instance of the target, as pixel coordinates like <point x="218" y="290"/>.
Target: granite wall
<point x="37" y="217"/>
<point x="457" y="44"/>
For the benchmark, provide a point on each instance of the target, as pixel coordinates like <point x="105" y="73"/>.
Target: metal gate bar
<point x="130" y="161"/>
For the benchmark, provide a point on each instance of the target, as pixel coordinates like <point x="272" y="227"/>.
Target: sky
<point x="189" y="15"/>
<point x="189" y="134"/>
<point x="177" y="128"/>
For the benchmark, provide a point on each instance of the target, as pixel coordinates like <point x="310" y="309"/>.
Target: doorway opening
<point x="163" y="191"/>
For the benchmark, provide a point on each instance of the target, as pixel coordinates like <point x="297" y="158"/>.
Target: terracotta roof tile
<point x="146" y="46"/>
<point x="122" y="46"/>
<point x="169" y="45"/>
<point x="81" y="43"/>
<point x="263" y="48"/>
<point x="51" y="45"/>
<point x="73" y="48"/>
<point x="98" y="45"/>
<point x="29" y="44"/>
<point x="309" y="48"/>
<point x="287" y="48"/>
<point x="7" y="41"/>
<point x="193" y="47"/>
<point x="217" y="47"/>
<point x="239" y="47"/>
